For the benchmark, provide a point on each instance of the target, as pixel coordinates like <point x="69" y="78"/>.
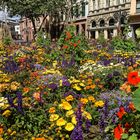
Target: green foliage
<point x="101" y="40"/>
<point x="7" y="41"/>
<point x="118" y="43"/>
<point x="136" y="99"/>
<point x="41" y="40"/>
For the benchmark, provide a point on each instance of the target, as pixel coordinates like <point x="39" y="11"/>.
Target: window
<point x="83" y="9"/>
<point x="77" y="11"/>
<point x="93" y="24"/>
<point x="111" y="22"/>
<point x="138" y="6"/>
<point x="102" y="23"/>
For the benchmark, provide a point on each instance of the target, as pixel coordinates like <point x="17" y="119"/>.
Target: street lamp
<point x="118" y="16"/>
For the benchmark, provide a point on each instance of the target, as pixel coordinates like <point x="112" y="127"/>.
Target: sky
<point x="3" y="15"/>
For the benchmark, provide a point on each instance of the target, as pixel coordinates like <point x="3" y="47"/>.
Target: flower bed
<point x="73" y="91"/>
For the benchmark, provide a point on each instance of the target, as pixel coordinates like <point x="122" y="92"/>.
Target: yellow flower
<point x="14" y="86"/>
<point x="65" y="105"/>
<point x="69" y="98"/>
<point x="60" y="83"/>
<point x="6" y="113"/>
<point x="60" y="122"/>
<point x="73" y="120"/>
<point x="54" y="117"/>
<point x="84" y="100"/>
<point x="87" y="115"/>
<point x="52" y="110"/>
<point x="69" y="127"/>
<point x="99" y="104"/>
<point x="82" y="84"/>
<point x="91" y="98"/>
<point x="69" y="113"/>
<point x="75" y="86"/>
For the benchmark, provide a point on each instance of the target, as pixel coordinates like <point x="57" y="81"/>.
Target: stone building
<point x="135" y="18"/>
<point x="107" y="17"/>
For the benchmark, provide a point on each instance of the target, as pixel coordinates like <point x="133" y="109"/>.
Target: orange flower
<point x="36" y="95"/>
<point x="52" y="110"/>
<point x="135" y="65"/>
<point x="131" y="106"/>
<point x="93" y="86"/>
<point x="100" y="86"/>
<point x="89" y="81"/>
<point x="126" y="87"/>
<point x="1" y="130"/>
<point x="87" y="87"/>
<point x="121" y="113"/>
<point x="26" y="90"/>
<point x="130" y="68"/>
<point x="79" y="41"/>
<point x="84" y="100"/>
<point x="39" y="138"/>
<point x="68" y="34"/>
<point x="69" y="98"/>
<point x="133" y="78"/>
<point x="97" y="80"/>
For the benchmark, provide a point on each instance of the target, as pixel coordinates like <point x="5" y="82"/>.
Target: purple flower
<point x="52" y="86"/>
<point x="77" y="133"/>
<point x="65" y="82"/>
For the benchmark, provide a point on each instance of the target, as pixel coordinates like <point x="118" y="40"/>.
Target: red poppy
<point x="131" y="106"/>
<point x="118" y="131"/>
<point x="121" y="112"/>
<point x="133" y="78"/>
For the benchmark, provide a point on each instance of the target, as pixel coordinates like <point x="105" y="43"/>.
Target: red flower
<point x="133" y="78"/>
<point x="65" y="47"/>
<point x="75" y="45"/>
<point x="121" y="112"/>
<point x="68" y="34"/>
<point x="131" y="106"/>
<point x="118" y="131"/>
<point x="79" y="41"/>
<point x="127" y="127"/>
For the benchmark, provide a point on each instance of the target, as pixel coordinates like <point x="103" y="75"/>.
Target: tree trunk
<point x="34" y="26"/>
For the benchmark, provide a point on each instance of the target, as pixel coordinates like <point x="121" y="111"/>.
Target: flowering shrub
<point x="71" y="91"/>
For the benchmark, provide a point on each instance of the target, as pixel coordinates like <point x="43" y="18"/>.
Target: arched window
<point x="102" y="23"/>
<point x="93" y="24"/>
<point x="111" y="22"/>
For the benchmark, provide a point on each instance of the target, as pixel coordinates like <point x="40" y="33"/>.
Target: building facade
<point x="135" y="18"/>
<point x="107" y="17"/>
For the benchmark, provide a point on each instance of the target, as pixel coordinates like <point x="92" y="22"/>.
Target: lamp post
<point x="118" y="16"/>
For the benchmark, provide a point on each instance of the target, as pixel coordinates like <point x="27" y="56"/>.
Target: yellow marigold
<point x="52" y="110"/>
<point x="69" y="113"/>
<point x="6" y="113"/>
<point x="54" y="117"/>
<point x="82" y="84"/>
<point x="99" y="104"/>
<point x="84" y="100"/>
<point x="87" y="115"/>
<point x="91" y="98"/>
<point x="66" y="105"/>
<point x="69" y="98"/>
<point x="69" y="127"/>
<point x="60" y="122"/>
<point x="73" y="120"/>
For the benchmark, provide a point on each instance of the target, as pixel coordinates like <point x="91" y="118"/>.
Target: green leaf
<point x="124" y="136"/>
<point x="136" y="99"/>
<point x="133" y="137"/>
